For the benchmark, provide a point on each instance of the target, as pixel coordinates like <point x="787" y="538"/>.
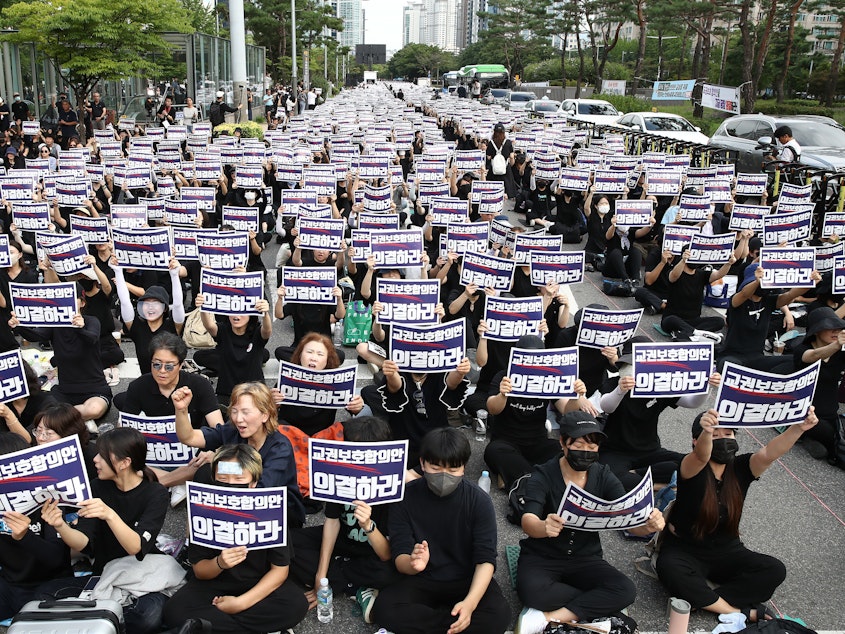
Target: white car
<point x="590" y="110"/>
<point x="516" y="101"/>
<point x="663" y="124"/>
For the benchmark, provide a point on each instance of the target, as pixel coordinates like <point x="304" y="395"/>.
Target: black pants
<point x="589" y="587"/>
<point x="417" y="605"/>
<point x="663" y="463"/>
<point x="776" y="363"/>
<point x="477" y="400"/>
<point x="621" y="266"/>
<point x="685" y="327"/>
<point x="347" y="572"/>
<point x="826" y="433"/>
<point x="511" y="460"/>
<point x="744" y="578"/>
<point x="283" y="608"/>
<point x="646" y="297"/>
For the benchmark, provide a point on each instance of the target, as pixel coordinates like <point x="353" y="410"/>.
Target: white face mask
<point x="250" y="196"/>
<point x="603" y="209"/>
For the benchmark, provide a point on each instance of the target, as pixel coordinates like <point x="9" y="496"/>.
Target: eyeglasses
<point x="44" y="433"/>
<point x="168" y="367"/>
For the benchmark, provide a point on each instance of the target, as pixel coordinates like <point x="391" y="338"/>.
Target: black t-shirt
<point x="522" y="421"/>
<point x="827" y="385"/>
<point x="308" y="419"/>
<point x="632" y="427"/>
<point x="142" y="336"/>
<point x="592" y="364"/>
<point x="351" y="540"/>
<point x="522" y="286"/>
<point x="309" y="318"/>
<point x="748" y="326"/>
<point x="143" y="509"/>
<point x="36" y="403"/>
<point x="660" y="286"/>
<point x="243" y="577"/>
<point x="569" y="213"/>
<point x="691" y="495"/>
<point x="498" y="355"/>
<point x="543" y="493"/>
<point x="99" y="306"/>
<point x="686" y="294"/>
<point x="144" y="397"/>
<point x="40" y="556"/>
<point x="241" y="355"/>
<point x="597" y="226"/>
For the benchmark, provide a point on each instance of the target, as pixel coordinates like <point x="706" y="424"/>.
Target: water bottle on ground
<point x="325" y="609"/>
<point x="481" y="425"/>
<point x="484" y="482"/>
<point x="337" y="335"/>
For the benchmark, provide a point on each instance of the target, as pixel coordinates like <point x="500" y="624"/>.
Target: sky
<point x="384" y="23"/>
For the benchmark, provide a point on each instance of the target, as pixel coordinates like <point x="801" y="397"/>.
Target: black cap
<point x="627" y="355"/>
<point x="157" y="293"/>
<point x="579" y="424"/>
<point x="530" y="342"/>
<point x="824" y="318"/>
<point x="498" y="128"/>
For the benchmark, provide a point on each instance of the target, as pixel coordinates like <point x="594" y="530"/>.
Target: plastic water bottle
<point x="325" y="609"/>
<point x="481" y="425"/>
<point x="337" y="335"/>
<point x="484" y="482"/>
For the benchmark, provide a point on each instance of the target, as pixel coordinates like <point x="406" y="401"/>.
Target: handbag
<point x="358" y="323"/>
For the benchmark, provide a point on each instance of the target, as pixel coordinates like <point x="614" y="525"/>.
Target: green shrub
<point x="791" y="106"/>
<point x="249" y="129"/>
<point x="624" y="103"/>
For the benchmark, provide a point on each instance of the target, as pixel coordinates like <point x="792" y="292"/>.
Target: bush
<point x="249" y="129"/>
<point x="792" y="106"/>
<point x="624" y="103"/>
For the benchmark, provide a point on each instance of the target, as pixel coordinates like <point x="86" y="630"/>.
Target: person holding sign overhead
<point x="235" y="589"/>
<point x="562" y="576"/>
<point x="701" y="540"/>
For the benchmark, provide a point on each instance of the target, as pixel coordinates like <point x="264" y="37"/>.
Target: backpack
<point x="619" y="624"/>
<point x="839" y="442"/>
<point x="777" y="626"/>
<point x="214" y="113"/>
<point x="516" y="500"/>
<point x="617" y="288"/>
<point x="194" y="333"/>
<point x="499" y="165"/>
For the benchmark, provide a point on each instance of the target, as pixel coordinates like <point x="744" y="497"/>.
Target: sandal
<point x="763" y="613"/>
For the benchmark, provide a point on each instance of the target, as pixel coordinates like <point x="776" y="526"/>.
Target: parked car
<point x="665" y="124"/>
<point x="496" y="95"/>
<point x="590" y="110"/>
<point x="518" y="100"/>
<point x="542" y="107"/>
<point x="822" y="139"/>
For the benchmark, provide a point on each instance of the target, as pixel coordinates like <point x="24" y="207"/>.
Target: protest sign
<point x="748" y="217"/>
<point x="838" y="275"/>
<point x="753" y="398"/>
<point x="293" y="199"/>
<point x="342" y="472"/>
<point x="537" y="242"/>
<point x="72" y="193"/>
<point x="633" y="213"/>
<point x="716" y="250"/>
<point x="143" y="248"/>
<point x="222" y="251"/>
<point x="609" y="181"/>
<point x="719" y="191"/>
<point x="378" y="221"/>
<point x="792" y="196"/>
<point x="397" y="249"/>
<point x="480" y="188"/>
<point x="31" y="216"/>
<point x="694" y="208"/>
<point x="700" y="176"/>
<point x="663" y="182"/>
<point x="309" y="285"/>
<point x="44" y="305"/>
<point x="5" y="252"/>
<point x="91" y="230"/>
<point x="231" y="293"/>
<point x="566" y="267"/>
<point x="487" y="271"/>
<point x="601" y="328"/>
<point x="468" y="238"/>
<point x="544" y="374"/>
<point x="669" y="370"/>
<point x="183" y="213"/>
<point x="164" y="451"/>
<point x="411" y="302"/>
<point x="241" y="218"/>
<point x="724" y="98"/>
<point x="185" y="242"/>
<point x="428" y="349"/>
<point x="378" y="199"/>
<point x="789" y="228"/>
<point x="222" y="517"/>
<point x="319" y="233"/>
<point x="825" y="254"/>
<point x="833" y="224"/>
<point x="508" y="318"/>
<point x="67" y="256"/>
<point x="13" y="383"/>
<point x="429" y="191"/>
<point x="204" y="197"/>
<point x="324" y="389"/>
<point x="676" y="237"/>
<point x="573" y="179"/>
<point x="583" y="511"/>
<point x="53" y="471"/>
<point x="672" y="90"/>
<point x="751" y="184"/>
<point x="448" y="210"/>
<point x="249" y="176"/>
<point x="790" y="267"/>
<point x="15" y="187"/>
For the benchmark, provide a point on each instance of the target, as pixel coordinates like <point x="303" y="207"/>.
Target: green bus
<point x="489" y="75"/>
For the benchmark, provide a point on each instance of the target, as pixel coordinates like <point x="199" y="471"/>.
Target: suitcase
<point x="69" y="616"/>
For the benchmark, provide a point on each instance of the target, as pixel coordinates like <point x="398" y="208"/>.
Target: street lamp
<point x="293" y="42"/>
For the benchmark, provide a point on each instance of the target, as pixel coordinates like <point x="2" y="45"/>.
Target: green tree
<point x="510" y="25"/>
<point x="201" y="18"/>
<point x="90" y="41"/>
<point x="269" y="22"/>
<point x="420" y="60"/>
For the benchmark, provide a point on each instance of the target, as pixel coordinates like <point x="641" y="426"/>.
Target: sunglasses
<point x="168" y="367"/>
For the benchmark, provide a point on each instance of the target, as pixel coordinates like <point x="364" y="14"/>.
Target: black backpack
<point x="777" y="626"/>
<point x="516" y="500"/>
<point x="214" y="113"/>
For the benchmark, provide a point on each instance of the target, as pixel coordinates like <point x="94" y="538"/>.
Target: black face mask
<point x="724" y="450"/>
<point x="581" y="460"/>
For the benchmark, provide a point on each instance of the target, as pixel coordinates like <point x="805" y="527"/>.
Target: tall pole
<point x="293" y="42"/>
<point x="237" y="34"/>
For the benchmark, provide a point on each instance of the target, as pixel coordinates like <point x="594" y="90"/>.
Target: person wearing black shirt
<point x="68" y="120"/>
<point x="97" y="111"/>
<point x="443" y="542"/>
<point x="562" y="576"/>
<point x="123" y="518"/>
<point x="653" y="293"/>
<point x="749" y="313"/>
<point x="20" y="110"/>
<point x="31" y="553"/>
<point x="570" y="221"/>
<point x="308" y="318"/>
<point x="701" y="540"/>
<point x="682" y="313"/>
<point x="235" y="589"/>
<point x="824" y="342"/>
<point x="541" y="206"/>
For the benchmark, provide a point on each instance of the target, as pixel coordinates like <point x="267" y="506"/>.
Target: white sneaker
<point x="706" y="334"/>
<point x="178" y="494"/>
<point x="530" y="621"/>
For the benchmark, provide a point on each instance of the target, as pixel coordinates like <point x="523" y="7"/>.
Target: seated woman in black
<point x="122" y="519"/>
<point x="701" y="540"/>
<point x="18" y="415"/>
<point x="61" y="420"/>
<point x="30" y="553"/>
<point x="235" y="589"/>
<point x="562" y="576"/>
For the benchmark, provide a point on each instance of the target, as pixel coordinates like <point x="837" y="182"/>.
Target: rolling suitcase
<point x="69" y="616"/>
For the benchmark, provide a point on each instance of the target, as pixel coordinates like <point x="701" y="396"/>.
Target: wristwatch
<point x="371" y="529"/>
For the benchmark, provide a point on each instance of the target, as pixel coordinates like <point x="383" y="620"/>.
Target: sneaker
<point x="178" y="494"/>
<point x="366" y="597"/>
<point x="530" y="621"/>
<point x="816" y="449"/>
